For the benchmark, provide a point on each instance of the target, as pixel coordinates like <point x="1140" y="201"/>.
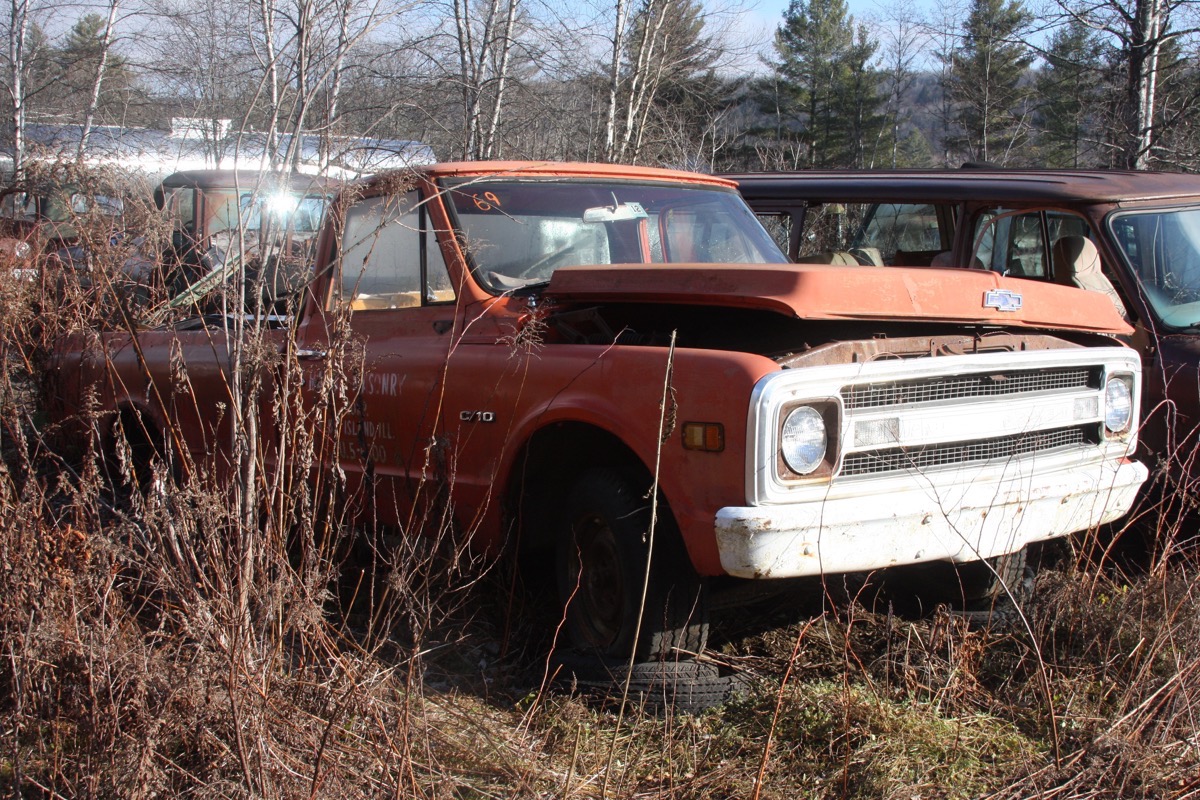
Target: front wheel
<point x="987" y="581"/>
<point x="602" y="552"/>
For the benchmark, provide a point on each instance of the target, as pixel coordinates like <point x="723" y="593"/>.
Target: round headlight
<point x="1118" y="404"/>
<point x="803" y="440"/>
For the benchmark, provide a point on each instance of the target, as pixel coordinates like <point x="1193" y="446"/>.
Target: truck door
<point x="393" y="305"/>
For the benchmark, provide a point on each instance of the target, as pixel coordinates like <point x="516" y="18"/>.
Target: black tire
<point x="983" y="582"/>
<point x="658" y="686"/>
<point x="601" y="554"/>
<point x="920" y="588"/>
<point x="131" y="454"/>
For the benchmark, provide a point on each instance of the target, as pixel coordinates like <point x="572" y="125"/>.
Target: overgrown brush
<point x="224" y="629"/>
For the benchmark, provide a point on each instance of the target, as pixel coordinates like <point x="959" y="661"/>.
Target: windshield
<point x="518" y="232"/>
<point x="255" y="213"/>
<point x="1162" y="248"/>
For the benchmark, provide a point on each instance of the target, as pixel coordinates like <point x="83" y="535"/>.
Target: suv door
<point x="1020" y="242"/>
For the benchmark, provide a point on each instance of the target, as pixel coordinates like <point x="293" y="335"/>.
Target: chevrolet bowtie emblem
<point x="1002" y="300"/>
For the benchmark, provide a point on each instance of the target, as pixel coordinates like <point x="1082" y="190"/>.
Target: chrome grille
<point x="940" y="455"/>
<point x="929" y="390"/>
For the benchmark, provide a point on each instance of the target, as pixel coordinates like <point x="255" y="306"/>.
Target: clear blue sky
<point x="772" y="10"/>
<point x="758" y="19"/>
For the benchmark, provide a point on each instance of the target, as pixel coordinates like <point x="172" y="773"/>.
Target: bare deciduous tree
<point x="484" y="36"/>
<point x="905" y="40"/>
<point x="18" y="32"/>
<point x="105" y="45"/>
<point x="1141" y="28"/>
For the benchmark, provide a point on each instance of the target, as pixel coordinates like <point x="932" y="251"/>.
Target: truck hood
<point x="820" y="292"/>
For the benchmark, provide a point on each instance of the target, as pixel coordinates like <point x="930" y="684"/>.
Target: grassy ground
<point x="155" y="646"/>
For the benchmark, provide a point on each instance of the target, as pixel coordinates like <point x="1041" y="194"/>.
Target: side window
<point x="438" y="288"/>
<point x="779" y="226"/>
<point x="1021" y="243"/>
<point x="1011" y="243"/>
<point x="384" y="242"/>
<point x="13" y="205"/>
<point x="827" y="229"/>
<point x="911" y="229"/>
<point x="181" y="207"/>
<point x="1061" y="224"/>
<point x="224" y="211"/>
<point x="903" y="234"/>
<point x="705" y="234"/>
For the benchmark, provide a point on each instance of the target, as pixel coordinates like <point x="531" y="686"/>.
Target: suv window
<point x="866" y="233"/>
<point x="827" y="228"/>
<point x="181" y="208"/>
<point x="1020" y="243"/>
<point x="779" y="226"/>
<point x="907" y="228"/>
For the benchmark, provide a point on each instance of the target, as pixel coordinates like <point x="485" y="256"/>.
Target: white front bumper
<point x="867" y="526"/>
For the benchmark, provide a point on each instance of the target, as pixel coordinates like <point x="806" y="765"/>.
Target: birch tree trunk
<point x="335" y="82"/>
<point x="506" y="46"/>
<point x="644" y="80"/>
<point x="1142" y="28"/>
<point x="270" y="62"/>
<point x="484" y="66"/>
<point x="305" y="23"/>
<point x="1146" y="41"/>
<point x="614" y="79"/>
<point x="17" y="32"/>
<point x="468" y="74"/>
<point x="89" y="116"/>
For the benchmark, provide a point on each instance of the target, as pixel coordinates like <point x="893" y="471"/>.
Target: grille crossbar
<point x="996" y="384"/>
<point x="930" y="456"/>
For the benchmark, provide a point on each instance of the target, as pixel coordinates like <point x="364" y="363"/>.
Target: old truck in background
<point x="40" y="218"/>
<point x="618" y="366"/>
<point x="259" y="227"/>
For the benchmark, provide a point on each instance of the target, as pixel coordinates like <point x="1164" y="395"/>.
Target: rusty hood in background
<point x="821" y="292"/>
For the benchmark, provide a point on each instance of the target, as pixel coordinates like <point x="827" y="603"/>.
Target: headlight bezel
<point x="828" y="411"/>
<point x="1129" y="400"/>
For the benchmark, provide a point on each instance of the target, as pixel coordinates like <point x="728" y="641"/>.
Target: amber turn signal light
<point x="708" y="437"/>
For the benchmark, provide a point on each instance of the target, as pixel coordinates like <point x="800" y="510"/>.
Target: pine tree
<point x="1070" y="88"/>
<point x="826" y="96"/>
<point x="984" y="82"/>
<point x="77" y="60"/>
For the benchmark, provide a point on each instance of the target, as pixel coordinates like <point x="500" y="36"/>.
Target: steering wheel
<point x="545" y="261"/>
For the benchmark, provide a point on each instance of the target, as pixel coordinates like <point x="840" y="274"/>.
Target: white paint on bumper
<point x="852" y="528"/>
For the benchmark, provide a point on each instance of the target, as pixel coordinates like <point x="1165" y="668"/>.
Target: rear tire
<point x="601" y="556"/>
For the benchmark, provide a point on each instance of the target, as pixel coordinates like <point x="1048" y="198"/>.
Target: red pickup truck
<point x="618" y="365"/>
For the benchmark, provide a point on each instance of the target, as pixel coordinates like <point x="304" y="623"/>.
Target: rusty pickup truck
<point x="617" y="365"/>
<point x="1130" y="236"/>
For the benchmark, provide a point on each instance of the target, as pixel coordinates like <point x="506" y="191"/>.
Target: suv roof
<point x="995" y="184"/>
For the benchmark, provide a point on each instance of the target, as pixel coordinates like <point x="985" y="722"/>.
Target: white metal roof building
<point x="213" y="144"/>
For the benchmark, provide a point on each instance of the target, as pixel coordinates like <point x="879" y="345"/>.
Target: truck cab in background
<point x="260" y="226"/>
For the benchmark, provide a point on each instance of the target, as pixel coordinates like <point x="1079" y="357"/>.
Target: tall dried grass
<point x="166" y="635"/>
